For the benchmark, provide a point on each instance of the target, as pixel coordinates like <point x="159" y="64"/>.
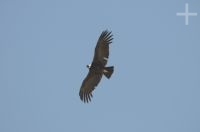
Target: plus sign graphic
<point x="186" y="14"/>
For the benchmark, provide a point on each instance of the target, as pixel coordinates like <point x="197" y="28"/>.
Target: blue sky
<point x="45" y="46"/>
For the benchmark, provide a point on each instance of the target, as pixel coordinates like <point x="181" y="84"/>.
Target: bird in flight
<point x="98" y="67"/>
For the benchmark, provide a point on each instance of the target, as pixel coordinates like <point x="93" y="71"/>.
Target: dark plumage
<point x="97" y="69"/>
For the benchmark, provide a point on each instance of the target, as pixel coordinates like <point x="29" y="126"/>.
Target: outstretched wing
<point x="88" y="85"/>
<point x="102" y="48"/>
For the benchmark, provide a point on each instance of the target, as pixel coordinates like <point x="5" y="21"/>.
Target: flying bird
<point x="98" y="67"/>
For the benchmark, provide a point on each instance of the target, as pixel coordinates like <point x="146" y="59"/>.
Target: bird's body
<point x="98" y="67"/>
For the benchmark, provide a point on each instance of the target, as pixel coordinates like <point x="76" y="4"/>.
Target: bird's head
<point x="89" y="66"/>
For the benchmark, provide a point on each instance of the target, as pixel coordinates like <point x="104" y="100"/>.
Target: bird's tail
<point x="108" y="71"/>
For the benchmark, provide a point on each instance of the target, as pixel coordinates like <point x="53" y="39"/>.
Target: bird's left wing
<point x="88" y="85"/>
<point x="102" y="48"/>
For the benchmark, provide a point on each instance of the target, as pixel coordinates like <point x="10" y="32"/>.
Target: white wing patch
<point x="105" y="58"/>
<point x="105" y="71"/>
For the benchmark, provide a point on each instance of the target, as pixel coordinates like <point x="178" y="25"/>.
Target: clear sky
<point x="45" y="46"/>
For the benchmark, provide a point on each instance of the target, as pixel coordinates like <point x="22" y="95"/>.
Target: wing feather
<point x="88" y="85"/>
<point x="102" y="48"/>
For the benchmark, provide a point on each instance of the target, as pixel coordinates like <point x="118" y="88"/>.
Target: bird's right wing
<point x="88" y="85"/>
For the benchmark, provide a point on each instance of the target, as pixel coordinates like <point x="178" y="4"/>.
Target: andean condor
<point x="98" y="67"/>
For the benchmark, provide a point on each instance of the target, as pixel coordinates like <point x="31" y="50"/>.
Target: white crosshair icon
<point x="186" y="14"/>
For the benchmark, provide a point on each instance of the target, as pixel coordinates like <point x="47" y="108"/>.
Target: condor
<point x="98" y="67"/>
